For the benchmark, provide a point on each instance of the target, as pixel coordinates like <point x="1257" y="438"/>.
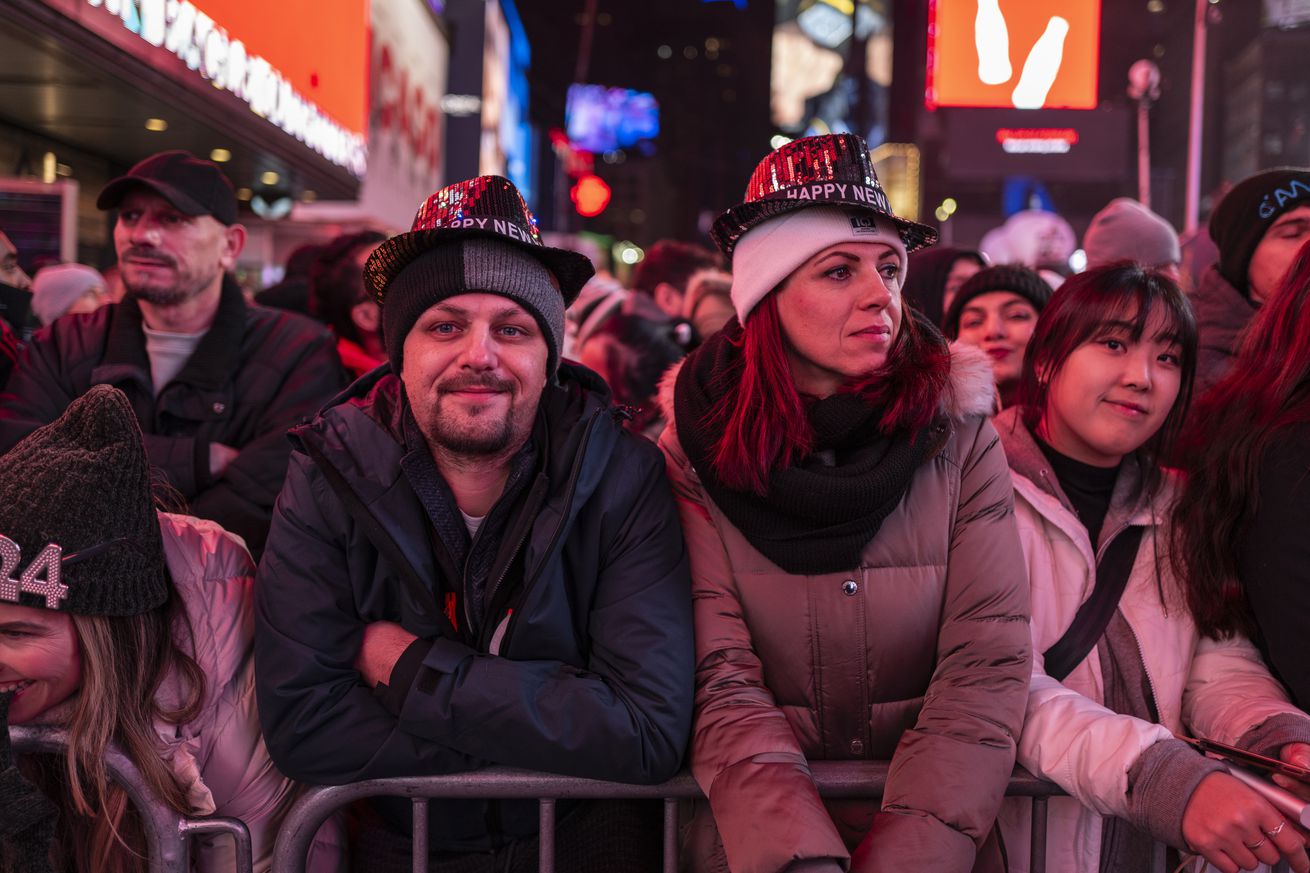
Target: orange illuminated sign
<point x="590" y="196"/>
<point x="1024" y="54"/>
<point x="303" y="71"/>
<point x="322" y="54"/>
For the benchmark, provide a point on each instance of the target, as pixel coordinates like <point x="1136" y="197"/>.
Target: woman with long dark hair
<point x="1120" y="667"/>
<point x="857" y="581"/>
<point x="126" y="626"/>
<point x="1244" y="514"/>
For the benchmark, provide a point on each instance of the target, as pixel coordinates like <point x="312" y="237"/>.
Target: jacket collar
<point x="1222" y="311"/>
<point x="361" y="432"/>
<point x="1033" y="476"/>
<point x="216" y="357"/>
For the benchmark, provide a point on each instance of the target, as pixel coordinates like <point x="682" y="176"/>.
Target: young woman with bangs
<point x="1244" y="513"/>
<point x="857" y="579"/>
<point x="1119" y="665"/>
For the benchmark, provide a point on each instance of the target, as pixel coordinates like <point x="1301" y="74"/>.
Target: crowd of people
<point x="454" y="498"/>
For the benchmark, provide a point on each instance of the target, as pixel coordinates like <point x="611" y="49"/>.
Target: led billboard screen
<point x="601" y="119"/>
<point x="1014" y="54"/>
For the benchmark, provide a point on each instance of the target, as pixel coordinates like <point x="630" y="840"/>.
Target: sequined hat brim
<point x="571" y="270"/>
<point x="733" y="224"/>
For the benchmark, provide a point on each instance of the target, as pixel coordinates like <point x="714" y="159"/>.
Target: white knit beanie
<point x="770" y="252"/>
<point x="1125" y="229"/>
<point x="57" y="287"/>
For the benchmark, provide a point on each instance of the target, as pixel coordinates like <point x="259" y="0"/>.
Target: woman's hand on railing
<point x="1234" y="828"/>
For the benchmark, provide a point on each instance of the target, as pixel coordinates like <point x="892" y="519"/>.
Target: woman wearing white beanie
<point x="858" y="582"/>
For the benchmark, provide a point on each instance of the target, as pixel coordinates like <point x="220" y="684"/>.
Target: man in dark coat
<point x="472" y="562"/>
<point x="214" y="381"/>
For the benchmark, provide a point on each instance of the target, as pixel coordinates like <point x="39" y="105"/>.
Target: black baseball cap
<point x="192" y="186"/>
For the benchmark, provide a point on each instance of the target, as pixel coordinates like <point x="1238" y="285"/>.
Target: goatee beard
<point x="158" y="296"/>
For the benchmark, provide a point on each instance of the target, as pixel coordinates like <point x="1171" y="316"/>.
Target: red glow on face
<point x="590" y="196"/>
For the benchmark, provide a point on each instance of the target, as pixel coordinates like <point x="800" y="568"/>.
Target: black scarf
<point x="27" y="817"/>
<point x="819" y="514"/>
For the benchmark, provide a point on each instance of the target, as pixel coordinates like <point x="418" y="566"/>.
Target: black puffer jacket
<point x="256" y="373"/>
<point x="594" y="673"/>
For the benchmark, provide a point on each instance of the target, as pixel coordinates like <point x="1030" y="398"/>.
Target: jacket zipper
<point x="554" y="539"/>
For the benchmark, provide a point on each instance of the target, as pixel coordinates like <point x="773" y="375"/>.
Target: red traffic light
<point x="590" y="196"/>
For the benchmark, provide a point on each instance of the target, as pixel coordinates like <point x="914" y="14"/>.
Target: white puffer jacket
<point x="1219" y="690"/>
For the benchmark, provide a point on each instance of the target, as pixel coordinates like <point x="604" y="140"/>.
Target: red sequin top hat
<point x="831" y="170"/>
<point x="489" y="207"/>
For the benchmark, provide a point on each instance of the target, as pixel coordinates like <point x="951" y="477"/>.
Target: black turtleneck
<point x="1088" y="488"/>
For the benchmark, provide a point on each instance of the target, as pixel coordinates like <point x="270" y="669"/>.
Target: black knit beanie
<point x="1004" y="277"/>
<point x="1246" y="213"/>
<point x="78" y="530"/>
<point x="471" y="266"/>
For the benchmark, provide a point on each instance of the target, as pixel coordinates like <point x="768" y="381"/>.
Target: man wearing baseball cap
<point x="1258" y="227"/>
<point x="214" y="381"/>
<point x="472" y="562"/>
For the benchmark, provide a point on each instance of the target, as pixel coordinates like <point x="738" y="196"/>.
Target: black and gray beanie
<point x="1013" y="278"/>
<point x="470" y="266"/>
<point x="1246" y="213"/>
<point x="78" y="529"/>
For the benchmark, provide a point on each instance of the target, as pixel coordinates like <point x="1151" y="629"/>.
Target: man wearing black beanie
<point x="1258" y="227"/>
<point x="473" y="562"/>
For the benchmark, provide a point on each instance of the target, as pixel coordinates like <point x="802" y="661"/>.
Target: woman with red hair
<point x="858" y="580"/>
<point x="1242" y="519"/>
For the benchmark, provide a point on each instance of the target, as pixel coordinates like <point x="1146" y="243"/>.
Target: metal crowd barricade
<point x="835" y="780"/>
<point x="167" y="832"/>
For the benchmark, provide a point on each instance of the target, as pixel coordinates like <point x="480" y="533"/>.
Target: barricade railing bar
<point x="168" y="833"/>
<point x="834" y="779"/>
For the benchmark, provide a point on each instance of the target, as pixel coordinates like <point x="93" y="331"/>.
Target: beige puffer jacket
<point x="920" y="654"/>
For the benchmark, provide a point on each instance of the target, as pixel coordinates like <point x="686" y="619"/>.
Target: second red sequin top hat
<point x="831" y="170"/>
<point x="489" y="207"/>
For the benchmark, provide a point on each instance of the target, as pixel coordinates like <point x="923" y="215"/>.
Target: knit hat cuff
<point x="1009" y="278"/>
<point x="472" y="266"/>
<point x="1246" y="213"/>
<point x="770" y="252"/>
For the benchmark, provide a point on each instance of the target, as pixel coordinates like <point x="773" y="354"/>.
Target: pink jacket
<point x="219" y="757"/>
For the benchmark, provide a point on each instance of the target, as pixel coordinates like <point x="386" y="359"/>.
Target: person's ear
<point x="367" y="316"/>
<point x="669" y="299"/>
<point x="234" y="240"/>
